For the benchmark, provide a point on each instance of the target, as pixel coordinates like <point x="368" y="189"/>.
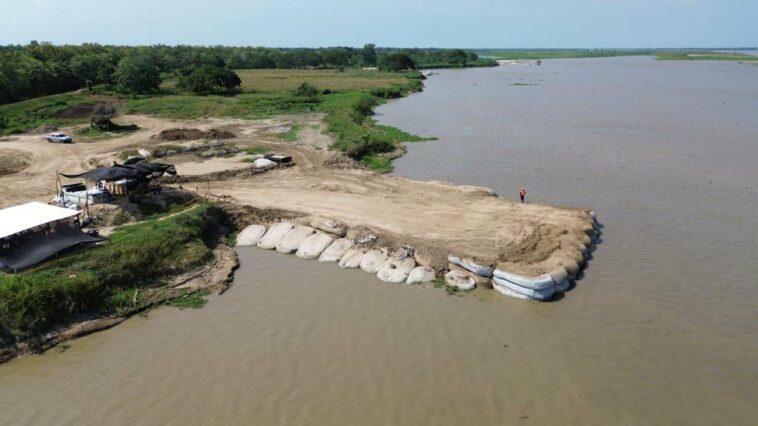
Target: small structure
<point x="133" y="176"/>
<point x="33" y="232"/>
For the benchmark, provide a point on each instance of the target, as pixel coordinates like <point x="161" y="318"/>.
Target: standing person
<point x="522" y="194"/>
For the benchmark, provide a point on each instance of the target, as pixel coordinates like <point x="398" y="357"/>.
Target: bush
<point x="397" y="62"/>
<point x="306" y="89"/>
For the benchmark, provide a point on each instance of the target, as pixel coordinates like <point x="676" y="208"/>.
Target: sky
<point x="396" y="23"/>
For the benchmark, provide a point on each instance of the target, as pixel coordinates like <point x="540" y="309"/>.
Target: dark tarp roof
<point x="44" y="246"/>
<point x="108" y="173"/>
<point x="136" y="170"/>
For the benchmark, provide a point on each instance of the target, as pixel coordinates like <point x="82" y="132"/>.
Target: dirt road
<point x="437" y="218"/>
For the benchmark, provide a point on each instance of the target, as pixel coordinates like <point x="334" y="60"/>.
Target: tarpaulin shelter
<point x="33" y="232"/>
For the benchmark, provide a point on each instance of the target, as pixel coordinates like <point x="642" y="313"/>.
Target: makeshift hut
<point x="33" y="232"/>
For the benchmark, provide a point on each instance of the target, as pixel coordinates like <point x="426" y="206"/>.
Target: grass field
<point x="513" y="54"/>
<point x="284" y="81"/>
<point x="705" y="56"/>
<point x="23" y="116"/>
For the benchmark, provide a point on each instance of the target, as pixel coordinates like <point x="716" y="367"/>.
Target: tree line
<point x="39" y="69"/>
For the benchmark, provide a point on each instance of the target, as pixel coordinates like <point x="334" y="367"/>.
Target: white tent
<point x="26" y="216"/>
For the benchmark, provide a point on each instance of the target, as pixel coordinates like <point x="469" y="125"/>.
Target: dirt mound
<point x="191" y="134"/>
<point x="223" y="175"/>
<point x="77" y="111"/>
<point x="13" y="161"/>
<point x="341" y="161"/>
<point x="241" y="215"/>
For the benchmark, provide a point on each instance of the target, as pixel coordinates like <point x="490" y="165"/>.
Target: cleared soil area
<point x="13" y="161"/>
<point x="435" y="217"/>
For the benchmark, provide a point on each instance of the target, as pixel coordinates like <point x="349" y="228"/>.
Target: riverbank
<point x="141" y="266"/>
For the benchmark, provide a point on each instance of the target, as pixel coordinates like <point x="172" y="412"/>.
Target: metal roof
<point x="26" y="216"/>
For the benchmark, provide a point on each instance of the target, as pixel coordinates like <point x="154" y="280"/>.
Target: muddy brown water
<point x="661" y="329"/>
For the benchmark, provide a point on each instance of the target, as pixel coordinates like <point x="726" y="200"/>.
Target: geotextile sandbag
<point x="471" y="266"/>
<point x="542" y="294"/>
<point x="561" y="278"/>
<point x="250" y="235"/>
<point x="540" y="282"/>
<point x="314" y="245"/>
<point x="478" y="279"/>
<point x="559" y="274"/>
<point x="510" y="293"/>
<point x="395" y="270"/>
<point x="329" y="226"/>
<point x="563" y="286"/>
<point x="373" y="260"/>
<point x="352" y="258"/>
<point x="571" y="267"/>
<point x="459" y="280"/>
<point x="336" y="250"/>
<point x="420" y="274"/>
<point x="291" y="242"/>
<point x="274" y="235"/>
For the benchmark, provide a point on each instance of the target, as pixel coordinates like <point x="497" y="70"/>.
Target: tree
<point x="368" y="54"/>
<point x="137" y="74"/>
<point x="306" y="89"/>
<point x="457" y="57"/>
<point x="397" y="62"/>
<point x="337" y="57"/>
<point x="209" y="79"/>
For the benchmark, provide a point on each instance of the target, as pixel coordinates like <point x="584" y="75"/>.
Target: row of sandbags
<point x="325" y="242"/>
<point x="541" y="288"/>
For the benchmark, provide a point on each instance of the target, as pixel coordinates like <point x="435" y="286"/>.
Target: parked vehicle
<point x="59" y="138"/>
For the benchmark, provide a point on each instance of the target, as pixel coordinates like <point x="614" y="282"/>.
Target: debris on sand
<point x="183" y="134"/>
<point x="342" y="161"/>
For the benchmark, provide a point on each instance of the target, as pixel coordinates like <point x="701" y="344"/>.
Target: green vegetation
<point x="194" y="300"/>
<point x="243" y="106"/>
<point x="515" y="54"/>
<point x="346" y="98"/>
<point x="397" y="62"/>
<point x="291" y="135"/>
<point x="663" y="54"/>
<point x="109" y="278"/>
<point x="39" y="69"/>
<point x="377" y="163"/>
<point x="256" y="150"/>
<point x="137" y="74"/>
<point x="93" y="134"/>
<point x="208" y="79"/>
<point x="705" y="56"/>
<point x="51" y="110"/>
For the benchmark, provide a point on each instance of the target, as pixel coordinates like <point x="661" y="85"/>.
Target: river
<point x="660" y="330"/>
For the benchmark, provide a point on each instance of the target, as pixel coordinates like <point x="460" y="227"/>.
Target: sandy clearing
<point x="435" y="217"/>
<point x="37" y="181"/>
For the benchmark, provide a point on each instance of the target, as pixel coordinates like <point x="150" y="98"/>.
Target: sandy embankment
<point x="436" y="218"/>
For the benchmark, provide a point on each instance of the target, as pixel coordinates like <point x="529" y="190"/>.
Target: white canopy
<point x="26" y="216"/>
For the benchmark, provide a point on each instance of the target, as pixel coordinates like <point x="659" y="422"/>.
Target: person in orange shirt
<point x="522" y="194"/>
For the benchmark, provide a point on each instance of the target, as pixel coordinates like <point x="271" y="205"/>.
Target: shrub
<point x="306" y="89"/>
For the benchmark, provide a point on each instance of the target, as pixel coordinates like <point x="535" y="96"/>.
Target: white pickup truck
<point x="58" y="138"/>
